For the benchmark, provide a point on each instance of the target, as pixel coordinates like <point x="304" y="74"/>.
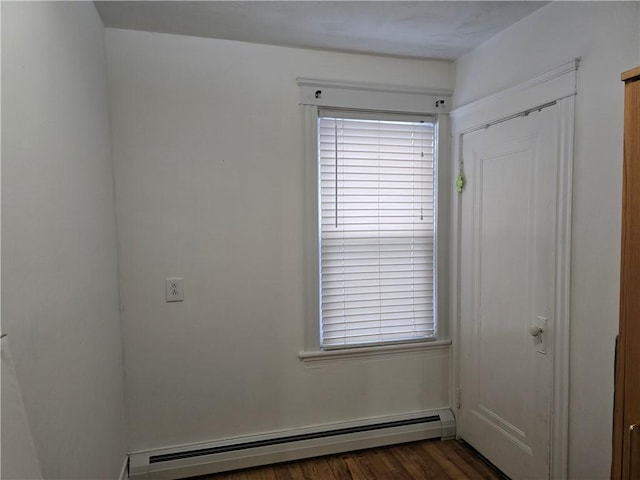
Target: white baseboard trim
<point x="286" y="445"/>
<point x="124" y="471"/>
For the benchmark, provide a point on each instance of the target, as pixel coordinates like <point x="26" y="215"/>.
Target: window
<point x="377" y="235"/>
<point x="374" y="280"/>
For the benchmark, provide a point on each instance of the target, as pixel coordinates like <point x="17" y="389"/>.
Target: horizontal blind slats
<point x="375" y="324"/>
<point x="389" y="312"/>
<point x="376" y="330"/>
<point x="377" y="209"/>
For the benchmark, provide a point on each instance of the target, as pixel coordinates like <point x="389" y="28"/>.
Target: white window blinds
<point x="377" y="241"/>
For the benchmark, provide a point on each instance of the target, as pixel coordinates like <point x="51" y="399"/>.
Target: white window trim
<point x="321" y="356"/>
<point x="370" y="96"/>
<point x="380" y="98"/>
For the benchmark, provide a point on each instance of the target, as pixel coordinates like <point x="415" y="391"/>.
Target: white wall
<point x="605" y="35"/>
<point x="18" y="457"/>
<point x="209" y="175"/>
<point x="59" y="259"/>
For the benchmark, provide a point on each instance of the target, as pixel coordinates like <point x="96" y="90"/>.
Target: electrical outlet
<point x="174" y="291"/>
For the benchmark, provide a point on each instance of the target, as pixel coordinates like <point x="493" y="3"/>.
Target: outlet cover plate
<point x="174" y="290"/>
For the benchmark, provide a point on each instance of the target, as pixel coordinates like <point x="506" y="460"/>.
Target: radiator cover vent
<point x="244" y="452"/>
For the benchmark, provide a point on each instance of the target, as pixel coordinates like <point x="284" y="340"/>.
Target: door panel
<point x="507" y="287"/>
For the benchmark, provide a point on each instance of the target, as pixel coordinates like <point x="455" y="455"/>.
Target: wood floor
<point x="431" y="459"/>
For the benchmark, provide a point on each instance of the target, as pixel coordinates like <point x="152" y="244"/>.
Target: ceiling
<point x="421" y="29"/>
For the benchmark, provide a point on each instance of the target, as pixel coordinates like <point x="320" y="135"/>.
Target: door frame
<point x="557" y="86"/>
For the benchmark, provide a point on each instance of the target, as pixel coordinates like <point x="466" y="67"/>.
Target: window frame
<point x="349" y="338"/>
<point x="316" y="95"/>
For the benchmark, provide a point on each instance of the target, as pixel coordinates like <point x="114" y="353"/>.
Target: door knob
<point x="534" y="330"/>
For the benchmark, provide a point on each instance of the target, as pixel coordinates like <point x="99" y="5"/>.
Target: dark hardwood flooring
<point x="430" y="459"/>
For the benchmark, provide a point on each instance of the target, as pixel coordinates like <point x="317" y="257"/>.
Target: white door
<point x="508" y="235"/>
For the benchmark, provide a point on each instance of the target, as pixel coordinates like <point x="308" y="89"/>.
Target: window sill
<point x="318" y="356"/>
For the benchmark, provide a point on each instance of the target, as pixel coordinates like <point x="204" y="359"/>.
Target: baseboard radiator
<point x="283" y="446"/>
